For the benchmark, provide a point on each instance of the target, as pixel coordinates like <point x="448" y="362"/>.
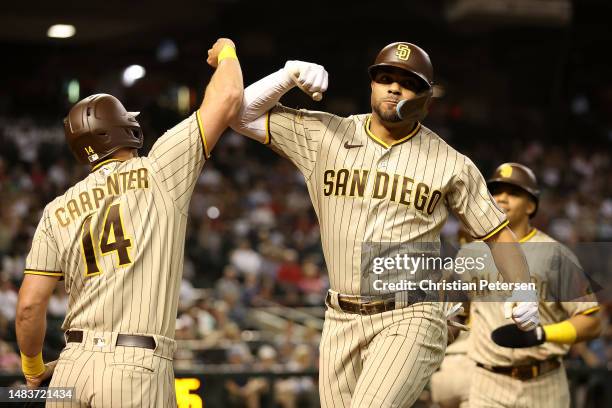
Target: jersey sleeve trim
<point x="42" y="272"/>
<point x="268" y="136"/>
<point x="590" y="311"/>
<point x="495" y="231"/>
<point x="201" y="128"/>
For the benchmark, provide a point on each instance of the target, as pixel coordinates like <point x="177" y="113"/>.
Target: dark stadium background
<point x="529" y="84"/>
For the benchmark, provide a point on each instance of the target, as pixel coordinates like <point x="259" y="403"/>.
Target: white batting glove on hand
<point x="312" y="77"/>
<point x="522" y="307"/>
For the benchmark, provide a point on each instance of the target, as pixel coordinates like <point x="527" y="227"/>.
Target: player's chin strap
<point x="415" y="109"/>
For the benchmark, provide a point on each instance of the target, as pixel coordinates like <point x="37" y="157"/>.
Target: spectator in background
<point x="9" y="360"/>
<point x="289" y="273"/>
<point x="288" y="277"/>
<point x="58" y="303"/>
<point x="205" y="321"/>
<point x="286" y="341"/>
<point x="185" y="328"/>
<point x="245" y="259"/>
<point x="244" y="392"/>
<point x="312" y="285"/>
<point x="8" y="299"/>
<point x="296" y="391"/>
<point x="228" y="284"/>
<point x="267" y="359"/>
<point x="236" y="311"/>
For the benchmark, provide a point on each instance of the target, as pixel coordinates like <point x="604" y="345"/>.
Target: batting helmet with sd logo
<point x="517" y="175"/>
<point x="98" y="126"/>
<point x="406" y="56"/>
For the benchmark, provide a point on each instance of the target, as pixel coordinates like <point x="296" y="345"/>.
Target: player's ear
<point x="531" y="207"/>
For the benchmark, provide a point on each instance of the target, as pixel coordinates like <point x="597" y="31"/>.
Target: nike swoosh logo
<point x="350" y="146"/>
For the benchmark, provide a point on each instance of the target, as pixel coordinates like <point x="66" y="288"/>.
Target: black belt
<point x="524" y="372"/>
<point x="127" y="340"/>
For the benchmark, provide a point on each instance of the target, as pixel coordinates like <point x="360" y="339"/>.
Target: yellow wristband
<point x="227" y="52"/>
<point x="564" y="333"/>
<point x="32" y="366"/>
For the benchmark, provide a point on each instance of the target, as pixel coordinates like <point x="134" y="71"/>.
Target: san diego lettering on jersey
<point x="380" y="185"/>
<point x="116" y="184"/>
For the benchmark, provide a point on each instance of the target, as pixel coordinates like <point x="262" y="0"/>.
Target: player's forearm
<point x="222" y="99"/>
<point x="508" y="256"/>
<point x="30" y="326"/>
<point x="587" y="327"/>
<point x="224" y="92"/>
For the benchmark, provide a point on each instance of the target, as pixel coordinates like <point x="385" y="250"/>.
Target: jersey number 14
<point x="112" y="239"/>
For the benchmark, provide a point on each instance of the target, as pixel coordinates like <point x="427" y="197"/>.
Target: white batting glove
<point x="522" y="307"/>
<point x="312" y="77"/>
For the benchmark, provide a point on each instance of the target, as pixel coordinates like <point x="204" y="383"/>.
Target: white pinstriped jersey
<point x="365" y="191"/>
<point x="117" y="237"/>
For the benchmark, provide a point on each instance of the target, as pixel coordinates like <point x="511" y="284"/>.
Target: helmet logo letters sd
<point x="506" y="171"/>
<point x="402" y="52"/>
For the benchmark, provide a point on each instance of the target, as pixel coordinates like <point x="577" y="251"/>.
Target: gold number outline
<point x="88" y="234"/>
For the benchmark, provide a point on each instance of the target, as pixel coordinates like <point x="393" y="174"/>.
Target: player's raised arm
<point x="264" y="94"/>
<point x="224" y="93"/>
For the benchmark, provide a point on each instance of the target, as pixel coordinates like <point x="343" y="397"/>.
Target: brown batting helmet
<point x="98" y="126"/>
<point x="517" y="175"/>
<point x="406" y="56"/>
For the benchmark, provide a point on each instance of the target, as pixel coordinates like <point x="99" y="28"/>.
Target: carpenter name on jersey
<point x="90" y="200"/>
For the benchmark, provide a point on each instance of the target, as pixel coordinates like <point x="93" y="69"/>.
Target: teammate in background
<point x="379" y="178"/>
<point x="532" y="376"/>
<point x="117" y="239"/>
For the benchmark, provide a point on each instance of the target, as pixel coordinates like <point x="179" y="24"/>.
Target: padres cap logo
<point x="402" y="52"/>
<point x="505" y="171"/>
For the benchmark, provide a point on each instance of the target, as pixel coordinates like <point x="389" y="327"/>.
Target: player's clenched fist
<point x="523" y="309"/>
<point x="312" y="77"/>
<point x="217" y="48"/>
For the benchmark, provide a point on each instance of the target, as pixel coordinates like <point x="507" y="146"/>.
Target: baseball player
<point x="530" y="376"/>
<point x="378" y="178"/>
<point x="116" y="238"/>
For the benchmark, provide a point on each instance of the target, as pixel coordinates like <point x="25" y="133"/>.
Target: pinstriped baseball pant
<point x="492" y="390"/>
<point x="115" y="376"/>
<point x="380" y="360"/>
